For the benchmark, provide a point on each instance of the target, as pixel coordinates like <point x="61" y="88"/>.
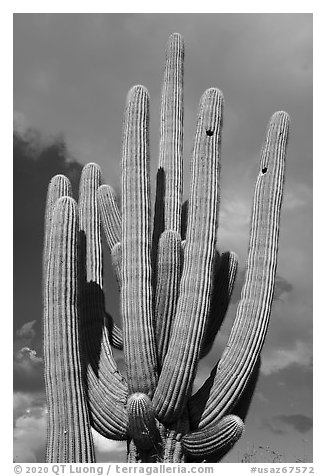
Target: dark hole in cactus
<point x="264" y="170"/>
<point x="209" y="132"/>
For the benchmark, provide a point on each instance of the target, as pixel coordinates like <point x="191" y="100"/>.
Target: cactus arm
<point x="111" y="223"/>
<point x="249" y="329"/>
<point x="100" y="367"/>
<point x="171" y="138"/>
<point x="59" y="186"/>
<point x="69" y="435"/>
<point x="167" y="288"/>
<point x="142" y="426"/>
<point x="110" y="214"/>
<point x="116" y="256"/>
<point x="215" y="440"/>
<point x="136" y="291"/>
<point x="181" y="360"/>
<point x="169" y="180"/>
<point x="114" y="331"/>
<point x="222" y="290"/>
<point x="108" y="413"/>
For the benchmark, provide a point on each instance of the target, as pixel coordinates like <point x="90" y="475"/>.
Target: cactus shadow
<point x="159" y="217"/>
<point x="91" y="305"/>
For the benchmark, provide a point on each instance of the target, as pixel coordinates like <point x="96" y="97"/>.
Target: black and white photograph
<point x="162" y="238"/>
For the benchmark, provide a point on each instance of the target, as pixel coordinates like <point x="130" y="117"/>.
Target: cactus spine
<point x="175" y="289"/>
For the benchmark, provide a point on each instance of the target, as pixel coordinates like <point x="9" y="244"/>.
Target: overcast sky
<point x="71" y="76"/>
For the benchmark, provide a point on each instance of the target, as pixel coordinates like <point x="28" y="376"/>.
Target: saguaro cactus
<point x="175" y="288"/>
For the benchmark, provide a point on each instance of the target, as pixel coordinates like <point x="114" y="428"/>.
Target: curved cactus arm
<point x="116" y="255"/>
<point x="167" y="288"/>
<point x="197" y="402"/>
<point x="110" y="214"/>
<point x="249" y="329"/>
<point x="136" y="290"/>
<point x="181" y="360"/>
<point x="111" y="223"/>
<point x="114" y="331"/>
<point x="224" y="279"/>
<point x="99" y="362"/>
<point x="69" y="436"/>
<point x="107" y="413"/>
<point x="215" y="440"/>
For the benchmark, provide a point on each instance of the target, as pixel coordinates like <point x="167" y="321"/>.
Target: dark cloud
<point x="271" y="427"/>
<point x="282" y="286"/>
<point x="299" y="422"/>
<point x="35" y="161"/>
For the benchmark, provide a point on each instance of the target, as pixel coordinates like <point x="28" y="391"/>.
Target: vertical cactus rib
<point x="248" y="332"/>
<point x="136" y="292"/>
<point x="181" y="360"/>
<point x="99" y="360"/>
<point x="214" y="440"/>
<point x="222" y="290"/>
<point x="167" y="288"/>
<point x="69" y="434"/>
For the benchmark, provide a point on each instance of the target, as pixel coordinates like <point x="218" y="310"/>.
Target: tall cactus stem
<point x="69" y="434"/>
<point x="136" y="291"/>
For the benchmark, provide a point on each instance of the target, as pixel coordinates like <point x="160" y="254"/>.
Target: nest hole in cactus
<point x="264" y="170"/>
<point x="209" y="132"/>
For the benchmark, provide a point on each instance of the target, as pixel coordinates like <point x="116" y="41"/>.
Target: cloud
<point x="298" y="196"/>
<point x="29" y="427"/>
<point x="271" y="427"/>
<point x="27" y="331"/>
<point x="28" y="370"/>
<point x="299" y="422"/>
<point x="278" y="359"/>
